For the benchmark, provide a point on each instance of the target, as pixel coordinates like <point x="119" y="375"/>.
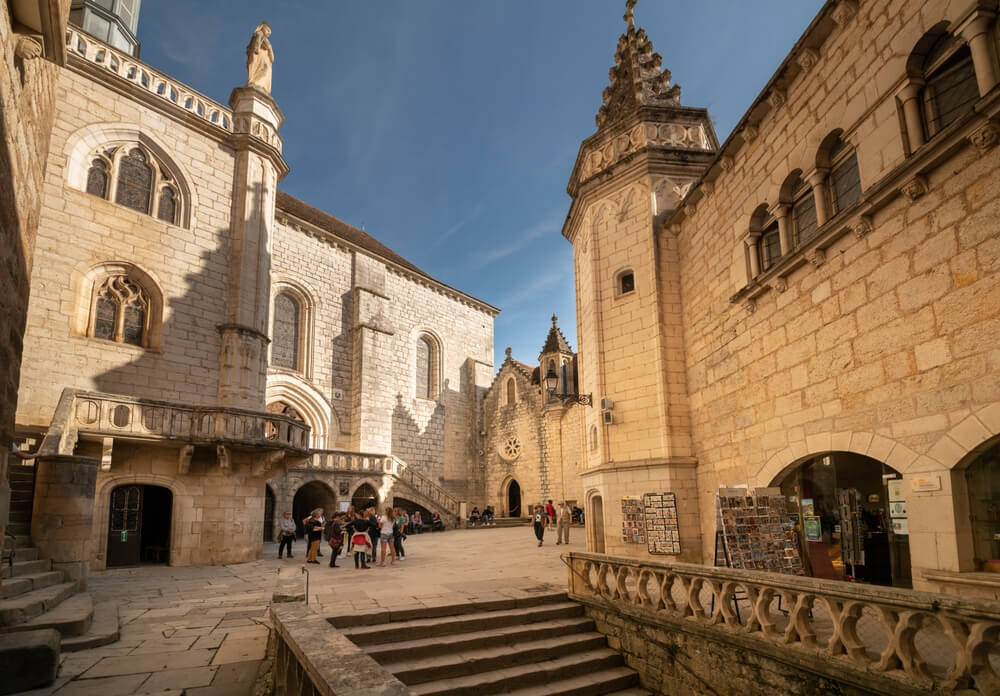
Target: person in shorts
<point x="385" y="524"/>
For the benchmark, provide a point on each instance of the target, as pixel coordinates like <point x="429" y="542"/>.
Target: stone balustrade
<point x="111" y="415"/>
<point x="383" y="464"/>
<point x="919" y="642"/>
<point x="126" y="67"/>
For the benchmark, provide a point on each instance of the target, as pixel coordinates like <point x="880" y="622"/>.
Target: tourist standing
<point x="335" y="536"/>
<point x="322" y="521"/>
<point x="550" y="512"/>
<point x="314" y="533"/>
<point x="348" y="525"/>
<point x="373" y="532"/>
<point x="540" y="523"/>
<point x="385" y="525"/>
<point x="399" y="532"/>
<point x="287" y="535"/>
<point x="359" y="540"/>
<point x="563" y="518"/>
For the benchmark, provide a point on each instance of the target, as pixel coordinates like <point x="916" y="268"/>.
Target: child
<point x="541" y="522"/>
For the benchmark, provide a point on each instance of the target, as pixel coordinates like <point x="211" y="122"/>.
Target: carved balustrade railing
<point x="138" y="73"/>
<point x="382" y="464"/>
<point x="111" y="415"/>
<point x="931" y="642"/>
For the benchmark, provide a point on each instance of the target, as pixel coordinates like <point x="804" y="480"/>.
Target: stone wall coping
<point x="644" y="464"/>
<point x="333" y="664"/>
<point x="991" y="580"/>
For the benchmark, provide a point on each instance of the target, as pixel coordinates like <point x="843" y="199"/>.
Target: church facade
<point x="811" y="308"/>
<point x="194" y="333"/>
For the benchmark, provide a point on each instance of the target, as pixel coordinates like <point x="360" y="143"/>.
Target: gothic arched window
<point x="428" y="367"/>
<point x="845" y="178"/>
<point x="511" y="393"/>
<point x="97" y="178"/>
<point x="167" y="208"/>
<point x="285" y="333"/>
<point x="950" y="89"/>
<point x="121" y="311"/>
<point x="135" y="181"/>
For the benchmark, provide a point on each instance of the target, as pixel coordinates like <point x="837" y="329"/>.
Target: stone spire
<point x="636" y="79"/>
<point x="556" y="342"/>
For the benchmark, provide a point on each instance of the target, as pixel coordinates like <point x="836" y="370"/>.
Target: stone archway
<point x="513" y="498"/>
<point x="595" y="523"/>
<point x="309" y="496"/>
<point x="365" y="496"/>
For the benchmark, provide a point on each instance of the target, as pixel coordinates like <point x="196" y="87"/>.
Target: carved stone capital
<point x="751" y="239"/>
<point x="27" y="47"/>
<point x="807" y="58"/>
<point x="863" y="227"/>
<point x="750" y="306"/>
<point x="845" y="11"/>
<point x="817" y="257"/>
<point x="915" y="187"/>
<point x="986" y="137"/>
<point x="779" y="284"/>
<point x="225" y="459"/>
<point x="776" y="99"/>
<point x="184" y="459"/>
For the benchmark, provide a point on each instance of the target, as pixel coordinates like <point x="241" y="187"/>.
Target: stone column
<point x="976" y="31"/>
<point x="817" y="180"/>
<point x="257" y="169"/>
<point x="780" y="212"/>
<point x="751" y="241"/>
<point x="374" y="356"/>
<point x="62" y="521"/>
<point x="910" y="96"/>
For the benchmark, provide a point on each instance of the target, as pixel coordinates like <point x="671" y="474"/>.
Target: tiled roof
<point x="352" y="235"/>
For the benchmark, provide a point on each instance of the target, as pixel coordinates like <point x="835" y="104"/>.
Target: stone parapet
<point x="804" y="632"/>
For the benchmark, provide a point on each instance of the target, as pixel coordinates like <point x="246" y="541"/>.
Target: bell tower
<point x="646" y="154"/>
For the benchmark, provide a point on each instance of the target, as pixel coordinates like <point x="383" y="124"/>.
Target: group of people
<point x="548" y="515"/>
<point x="486" y="517"/>
<point x="361" y="532"/>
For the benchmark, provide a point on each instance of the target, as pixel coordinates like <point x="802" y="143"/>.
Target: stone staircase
<point x="537" y="646"/>
<point x="33" y="595"/>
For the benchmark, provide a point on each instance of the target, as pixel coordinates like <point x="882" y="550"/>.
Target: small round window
<point x="510" y="448"/>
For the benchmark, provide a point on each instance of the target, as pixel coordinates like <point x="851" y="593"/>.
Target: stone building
<point x="532" y="439"/>
<point x="817" y="299"/>
<point x="204" y="333"/>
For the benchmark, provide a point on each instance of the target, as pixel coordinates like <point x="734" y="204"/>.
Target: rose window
<point x="510" y="448"/>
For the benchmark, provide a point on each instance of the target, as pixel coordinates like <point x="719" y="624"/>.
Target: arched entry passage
<point x="365" y="497"/>
<point x="268" y="513"/>
<point x="411" y="507"/>
<point x="982" y="477"/>
<point x="310" y="496"/>
<point x="596" y="518"/>
<point x="513" y="499"/>
<point x="847" y="520"/>
<point x="139" y="525"/>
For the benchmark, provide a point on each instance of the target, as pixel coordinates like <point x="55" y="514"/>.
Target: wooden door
<point x="125" y="526"/>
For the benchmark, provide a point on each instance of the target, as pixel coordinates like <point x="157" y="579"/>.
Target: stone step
<point x="547" y="672"/>
<point x="105" y="628"/>
<point x="22" y="553"/>
<point x="507" y="635"/>
<point x="25" y="607"/>
<point x="619" y="681"/>
<point x="71" y="617"/>
<point x="494" y="657"/>
<point x="22" y="568"/>
<point x="12" y="587"/>
<point x="19" y="528"/>
<point x="462" y="623"/>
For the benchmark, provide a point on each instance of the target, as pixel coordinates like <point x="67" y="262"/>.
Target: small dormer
<point x="558" y="357"/>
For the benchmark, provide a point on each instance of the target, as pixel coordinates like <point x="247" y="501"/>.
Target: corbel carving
<point x="106" y="448"/>
<point x="184" y="459"/>
<point x="750" y="306"/>
<point x="225" y="459"/>
<point x="263" y="463"/>
<point x="816" y="257"/>
<point x="986" y="137"/>
<point x="808" y="58"/>
<point x="779" y="284"/>
<point x="845" y="11"/>
<point x="863" y="227"/>
<point x="726" y="163"/>
<point x="28" y="47"/>
<point x="915" y="187"/>
<point x="776" y="99"/>
<point x="750" y="133"/>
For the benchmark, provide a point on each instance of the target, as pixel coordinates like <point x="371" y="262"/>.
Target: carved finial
<point x="554" y="319"/>
<point x="508" y="351"/>
<point x="260" y="58"/>
<point x="630" y="14"/>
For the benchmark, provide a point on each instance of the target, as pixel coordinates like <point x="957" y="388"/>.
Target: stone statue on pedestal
<point x="260" y="57"/>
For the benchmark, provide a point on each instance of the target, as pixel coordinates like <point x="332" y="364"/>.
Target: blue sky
<point x="449" y="129"/>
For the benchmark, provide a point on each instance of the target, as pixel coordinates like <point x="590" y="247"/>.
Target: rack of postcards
<point x="662" y="531"/>
<point x="633" y="521"/>
<point x="758" y="530"/>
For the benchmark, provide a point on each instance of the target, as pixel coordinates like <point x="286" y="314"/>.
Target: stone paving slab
<point x="203" y="631"/>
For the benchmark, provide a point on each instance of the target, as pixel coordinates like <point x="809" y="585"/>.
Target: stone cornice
<point x="645" y="464"/>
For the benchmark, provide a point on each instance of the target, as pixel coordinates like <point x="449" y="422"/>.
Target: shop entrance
<point x="139" y="525"/>
<point x="514" y="499"/>
<point x="851" y="528"/>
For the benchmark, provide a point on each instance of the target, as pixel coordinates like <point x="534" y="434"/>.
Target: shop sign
<point x="901" y="526"/>
<point x="813" y="528"/>
<point x="926" y="483"/>
<point x="808" y="508"/>
<point x="897" y="508"/>
<point x="895" y="487"/>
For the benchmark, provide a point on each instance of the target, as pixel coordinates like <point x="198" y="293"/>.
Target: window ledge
<point x="126" y="347"/>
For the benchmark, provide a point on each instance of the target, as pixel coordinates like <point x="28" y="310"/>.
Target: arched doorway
<point x="850" y="530"/>
<point x="139" y="525"/>
<point x="365" y="497"/>
<point x="596" y="518"/>
<point x="982" y="478"/>
<point x="412" y="507"/>
<point x="268" y="513"/>
<point x="310" y="496"/>
<point x="513" y="499"/>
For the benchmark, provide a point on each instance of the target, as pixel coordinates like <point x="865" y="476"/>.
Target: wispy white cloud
<point x="476" y="212"/>
<point x="533" y="291"/>
<point x="550" y="224"/>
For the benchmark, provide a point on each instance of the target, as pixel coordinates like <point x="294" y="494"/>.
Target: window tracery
<point x="121" y="311"/>
<point x="286" y="332"/>
<point x="138" y="180"/>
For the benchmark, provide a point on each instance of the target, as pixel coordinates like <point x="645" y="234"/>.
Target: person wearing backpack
<point x="335" y="537"/>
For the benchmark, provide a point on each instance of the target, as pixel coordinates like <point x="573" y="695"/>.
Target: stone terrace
<point x="203" y="630"/>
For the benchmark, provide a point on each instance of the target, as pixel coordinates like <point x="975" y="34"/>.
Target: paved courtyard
<point x="203" y="631"/>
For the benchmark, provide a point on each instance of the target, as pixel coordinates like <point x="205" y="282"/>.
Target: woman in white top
<point x="385" y="523"/>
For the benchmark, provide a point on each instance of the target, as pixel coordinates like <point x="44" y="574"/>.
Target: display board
<point x="662" y="532"/>
<point x="633" y="523"/>
<point x="759" y="530"/>
<point x="852" y="544"/>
